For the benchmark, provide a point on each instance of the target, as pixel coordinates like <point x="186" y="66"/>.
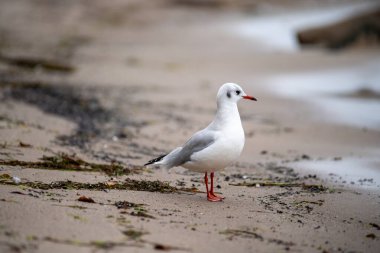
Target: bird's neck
<point x="227" y="114"/>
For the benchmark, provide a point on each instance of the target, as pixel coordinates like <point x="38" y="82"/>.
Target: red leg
<point x="210" y="197"/>
<point x="212" y="187"/>
<point x="206" y="183"/>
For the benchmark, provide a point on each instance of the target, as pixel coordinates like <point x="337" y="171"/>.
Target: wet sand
<point x="120" y="84"/>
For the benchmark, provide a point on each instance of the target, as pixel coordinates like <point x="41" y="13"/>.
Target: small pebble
<point x="16" y="180"/>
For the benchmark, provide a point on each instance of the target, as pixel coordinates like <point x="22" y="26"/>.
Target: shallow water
<point x="327" y="89"/>
<point x="354" y="172"/>
<point x="333" y="92"/>
<point x="276" y="32"/>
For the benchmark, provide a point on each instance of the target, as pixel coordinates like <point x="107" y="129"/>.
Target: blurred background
<point x="122" y="81"/>
<point x="127" y="72"/>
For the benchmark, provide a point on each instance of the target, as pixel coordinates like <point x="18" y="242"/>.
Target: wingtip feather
<point x="155" y="160"/>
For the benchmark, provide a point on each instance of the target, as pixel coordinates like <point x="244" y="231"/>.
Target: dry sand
<point x="128" y="80"/>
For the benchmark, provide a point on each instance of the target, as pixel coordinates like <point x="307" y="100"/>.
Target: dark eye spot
<point x="238" y="92"/>
<point x="228" y="94"/>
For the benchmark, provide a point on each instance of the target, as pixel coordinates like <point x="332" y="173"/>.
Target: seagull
<point x="214" y="147"/>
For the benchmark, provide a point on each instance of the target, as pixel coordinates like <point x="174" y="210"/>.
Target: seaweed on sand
<point x="252" y="234"/>
<point x="138" y="209"/>
<point x="126" y="205"/>
<point x="307" y="187"/>
<point x="106" y="245"/>
<point x="134" y="234"/>
<point x="231" y="233"/>
<point x="76" y="104"/>
<point x="33" y="63"/>
<point x="128" y="184"/>
<point x="64" y="161"/>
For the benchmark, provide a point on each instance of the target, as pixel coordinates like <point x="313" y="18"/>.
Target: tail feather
<point x="155" y="160"/>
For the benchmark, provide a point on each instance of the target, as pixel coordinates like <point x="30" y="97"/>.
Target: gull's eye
<point x="238" y="92"/>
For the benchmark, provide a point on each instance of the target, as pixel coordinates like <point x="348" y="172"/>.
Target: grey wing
<point x="196" y="143"/>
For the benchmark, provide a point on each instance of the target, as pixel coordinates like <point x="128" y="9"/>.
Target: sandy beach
<point x="92" y="90"/>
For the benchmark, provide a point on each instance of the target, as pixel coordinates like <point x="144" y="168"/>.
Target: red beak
<point x="250" y="98"/>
